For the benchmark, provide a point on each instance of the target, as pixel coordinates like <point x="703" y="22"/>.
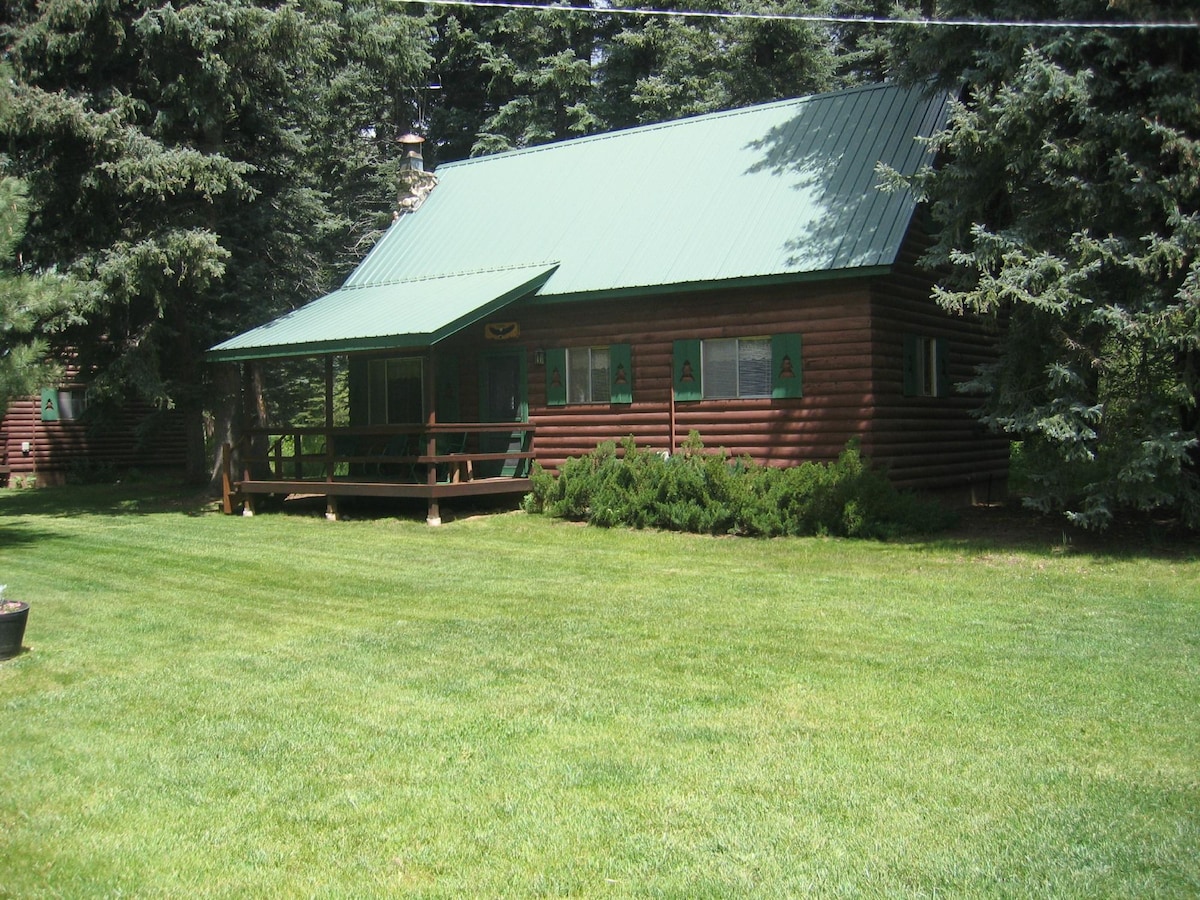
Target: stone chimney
<point x="415" y="182"/>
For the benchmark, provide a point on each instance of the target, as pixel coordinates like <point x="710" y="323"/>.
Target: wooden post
<point x="671" y="410"/>
<point x="330" y="465"/>
<point x="227" y="479"/>
<point x="434" y="513"/>
<point x="244" y="438"/>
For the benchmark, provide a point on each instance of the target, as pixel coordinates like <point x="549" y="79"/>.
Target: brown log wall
<point x="930" y="442"/>
<point x="853" y="333"/>
<point x="834" y="322"/>
<point x="58" y="448"/>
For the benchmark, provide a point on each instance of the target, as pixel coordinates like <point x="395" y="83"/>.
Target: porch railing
<point x="444" y="459"/>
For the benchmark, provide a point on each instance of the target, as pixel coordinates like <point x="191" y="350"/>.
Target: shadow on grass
<point x="411" y="508"/>
<point x="18" y="534"/>
<point x="1007" y="527"/>
<point x="1000" y="528"/>
<point x="146" y="498"/>
<point x="137" y="498"/>
<point x="1014" y="528"/>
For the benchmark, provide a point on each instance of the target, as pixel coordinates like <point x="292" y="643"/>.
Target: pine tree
<point x="662" y="68"/>
<point x="30" y="306"/>
<point x="203" y="164"/>
<point x="512" y="78"/>
<point x="1068" y="198"/>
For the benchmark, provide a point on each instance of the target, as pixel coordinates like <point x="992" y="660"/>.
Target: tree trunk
<point x="226" y="418"/>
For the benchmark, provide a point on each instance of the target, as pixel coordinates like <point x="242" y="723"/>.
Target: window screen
<point x="588" y="378"/>
<point x="395" y="391"/>
<point x="736" y="367"/>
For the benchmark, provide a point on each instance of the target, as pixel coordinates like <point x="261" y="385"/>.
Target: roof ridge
<point x="486" y="270"/>
<point x="672" y="123"/>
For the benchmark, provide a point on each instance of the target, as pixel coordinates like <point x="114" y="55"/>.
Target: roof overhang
<point x="402" y="314"/>
<point x="700" y="287"/>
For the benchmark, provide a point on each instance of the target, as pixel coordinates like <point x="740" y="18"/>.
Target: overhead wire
<point x="808" y="18"/>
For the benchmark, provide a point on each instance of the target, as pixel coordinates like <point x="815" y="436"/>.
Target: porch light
<point x="539" y="357"/>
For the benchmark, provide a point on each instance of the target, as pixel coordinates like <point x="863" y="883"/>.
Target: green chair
<point x="518" y="466"/>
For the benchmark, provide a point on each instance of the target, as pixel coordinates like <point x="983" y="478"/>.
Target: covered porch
<point x="422" y="421"/>
<point x="433" y="462"/>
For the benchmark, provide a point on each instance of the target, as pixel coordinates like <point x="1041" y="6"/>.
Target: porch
<point x="433" y="461"/>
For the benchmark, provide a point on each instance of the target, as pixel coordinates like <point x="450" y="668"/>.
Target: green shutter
<point x="912" y="382"/>
<point x="686" y="366"/>
<point x="620" y="373"/>
<point x="786" y="365"/>
<point x="556" y="377"/>
<point x="943" y="367"/>
<point x="50" y="405"/>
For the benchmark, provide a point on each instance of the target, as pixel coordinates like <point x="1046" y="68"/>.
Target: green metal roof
<point x="412" y="313"/>
<point x="783" y="191"/>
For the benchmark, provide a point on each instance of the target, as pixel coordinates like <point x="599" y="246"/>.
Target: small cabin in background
<point x="738" y="274"/>
<point x="46" y="439"/>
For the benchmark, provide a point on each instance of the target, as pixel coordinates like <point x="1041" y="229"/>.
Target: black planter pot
<point x="12" y="630"/>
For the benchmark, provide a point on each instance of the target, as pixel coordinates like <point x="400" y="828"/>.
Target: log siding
<point x="852" y="368"/>
<point x="930" y="442"/>
<point x="60" y="449"/>
<point x="781" y="432"/>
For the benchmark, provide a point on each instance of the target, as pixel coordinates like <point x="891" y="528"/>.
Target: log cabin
<point x="739" y="274"/>
<point x="47" y="439"/>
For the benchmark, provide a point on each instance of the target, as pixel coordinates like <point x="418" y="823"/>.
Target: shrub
<point x="707" y="493"/>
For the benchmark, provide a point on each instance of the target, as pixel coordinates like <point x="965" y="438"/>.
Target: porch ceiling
<point x="416" y="312"/>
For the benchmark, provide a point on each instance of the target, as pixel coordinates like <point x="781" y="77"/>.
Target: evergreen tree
<point x="654" y="69"/>
<point x="30" y="306"/>
<point x="1068" y="200"/>
<point x="199" y="162"/>
<point x="662" y="68"/>
<point x="514" y="78"/>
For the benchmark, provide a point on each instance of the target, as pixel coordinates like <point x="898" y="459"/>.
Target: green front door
<point x="502" y="398"/>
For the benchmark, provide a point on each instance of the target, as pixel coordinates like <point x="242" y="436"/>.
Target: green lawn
<point x="514" y="706"/>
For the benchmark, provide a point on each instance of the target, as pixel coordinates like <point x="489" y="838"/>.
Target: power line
<point x="814" y="19"/>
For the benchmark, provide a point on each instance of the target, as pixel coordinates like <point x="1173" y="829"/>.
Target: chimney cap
<point x="411" y="155"/>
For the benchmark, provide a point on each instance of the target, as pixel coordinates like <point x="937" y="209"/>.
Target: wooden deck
<point x="378" y="462"/>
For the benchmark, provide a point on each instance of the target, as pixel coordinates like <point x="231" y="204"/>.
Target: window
<point x="735" y="367"/>
<point x="62" y="406"/>
<point x="925" y="367"/>
<point x="738" y="368"/>
<point x="395" y="391"/>
<point x="589" y="375"/>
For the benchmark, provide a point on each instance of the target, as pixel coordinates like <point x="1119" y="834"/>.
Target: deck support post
<point x="248" y="505"/>
<point x="434" y="515"/>
<point x="330" y="466"/>
<point x="331" y="509"/>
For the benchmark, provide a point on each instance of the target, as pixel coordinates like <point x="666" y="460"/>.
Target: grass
<point x="515" y="706"/>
